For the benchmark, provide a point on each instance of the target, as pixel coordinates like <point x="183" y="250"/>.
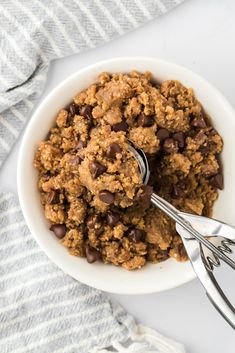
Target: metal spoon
<point x="179" y="217"/>
<point x="195" y="231"/>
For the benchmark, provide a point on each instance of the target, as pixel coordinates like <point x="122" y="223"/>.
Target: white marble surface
<point x="198" y="34"/>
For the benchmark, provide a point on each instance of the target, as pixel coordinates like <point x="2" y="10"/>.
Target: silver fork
<point x="195" y="232"/>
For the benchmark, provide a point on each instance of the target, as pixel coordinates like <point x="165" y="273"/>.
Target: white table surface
<point x="199" y="34"/>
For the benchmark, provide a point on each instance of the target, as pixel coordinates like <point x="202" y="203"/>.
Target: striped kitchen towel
<point x="42" y="309"/>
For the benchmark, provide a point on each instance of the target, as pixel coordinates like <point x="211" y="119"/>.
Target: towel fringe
<point x="143" y="339"/>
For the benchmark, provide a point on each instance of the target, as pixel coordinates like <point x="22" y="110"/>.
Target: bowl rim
<point x="37" y="112"/>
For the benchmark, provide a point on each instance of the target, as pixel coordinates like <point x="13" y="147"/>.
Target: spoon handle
<point x="213" y="290"/>
<point x="174" y="214"/>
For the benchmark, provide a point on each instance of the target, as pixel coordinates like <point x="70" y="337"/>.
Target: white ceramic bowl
<point x="152" y="277"/>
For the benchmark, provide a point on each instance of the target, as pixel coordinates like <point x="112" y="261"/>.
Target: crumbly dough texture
<point x="89" y="180"/>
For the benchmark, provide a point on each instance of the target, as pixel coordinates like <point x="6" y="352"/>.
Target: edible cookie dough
<point x="89" y="181"/>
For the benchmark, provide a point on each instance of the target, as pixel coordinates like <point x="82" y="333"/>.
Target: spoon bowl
<point x="142" y="161"/>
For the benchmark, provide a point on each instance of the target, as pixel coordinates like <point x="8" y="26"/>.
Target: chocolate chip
<point x="163" y="134"/>
<point x="86" y="111"/>
<point x="53" y="197"/>
<point x="177" y="192"/>
<point x="112" y="150"/>
<point x="79" y="145"/>
<point x="145" y="120"/>
<point x="200" y="137"/>
<point x="147" y="191"/>
<point x="213" y="132"/>
<point x="204" y="149"/>
<point x="170" y="145"/>
<point x="198" y="122"/>
<point x="99" y="230"/>
<point x="176" y="106"/>
<point x="92" y="254"/>
<point x="146" y="194"/>
<point x="136" y="235"/>
<point x="92" y="220"/>
<point x="179" y="137"/>
<point x="106" y="197"/>
<point x="112" y="218"/>
<point x="97" y="169"/>
<point x="59" y="230"/>
<point x="122" y="126"/>
<point x="74" y="109"/>
<point x="76" y="160"/>
<point x="46" y="176"/>
<point x="217" y="181"/>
